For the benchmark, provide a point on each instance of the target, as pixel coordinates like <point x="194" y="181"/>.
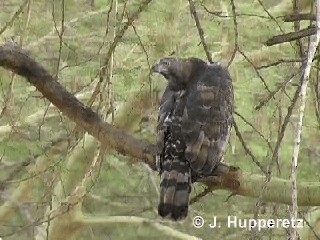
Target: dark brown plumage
<point x="194" y="125"/>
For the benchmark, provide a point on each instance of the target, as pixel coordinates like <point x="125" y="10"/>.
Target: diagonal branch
<point x="15" y="59"/>
<point x="122" y="31"/>
<point x="200" y="30"/>
<point x="288" y="37"/>
<point x="14" y="17"/>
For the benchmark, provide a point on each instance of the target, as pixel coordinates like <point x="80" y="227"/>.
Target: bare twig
<point x="16" y="14"/>
<point x="255" y="69"/>
<point x="204" y="193"/>
<point x="121" y="32"/>
<point x="109" y="77"/>
<point x="254" y="128"/>
<point x="69" y="23"/>
<point x="310" y="225"/>
<point x="237" y="47"/>
<point x="200" y="30"/>
<point x="280" y="61"/>
<point x="236" y="34"/>
<point x="141" y="44"/>
<point x="248" y="151"/>
<point x="98" y="88"/>
<point x="220" y="14"/>
<point x="59" y="32"/>
<point x="26" y="22"/>
<point x="147" y="56"/>
<point x="283" y="127"/>
<point x="273" y="93"/>
<point x="270" y="15"/>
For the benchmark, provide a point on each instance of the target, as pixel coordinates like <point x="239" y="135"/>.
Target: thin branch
<point x="60" y="33"/>
<point x="109" y="77"/>
<point x="122" y="31"/>
<point x="200" y="30"/>
<point x="146" y="54"/>
<point x="26" y="23"/>
<point x="256" y="70"/>
<point x="311" y="225"/>
<point x="273" y="93"/>
<point x="204" y="193"/>
<point x="42" y="39"/>
<point x="98" y="88"/>
<point x="236" y="34"/>
<point x="288" y="37"/>
<point x="280" y="61"/>
<point x="270" y="15"/>
<point x="283" y="129"/>
<point x="254" y="128"/>
<point x="246" y="148"/>
<point x="142" y="46"/>
<point x="219" y="13"/>
<point x="16" y="14"/>
<point x="299" y="17"/>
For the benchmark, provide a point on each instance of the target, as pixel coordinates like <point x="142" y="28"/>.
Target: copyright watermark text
<point x="247" y="223"/>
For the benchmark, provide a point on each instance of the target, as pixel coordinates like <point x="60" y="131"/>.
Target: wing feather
<point x="207" y="119"/>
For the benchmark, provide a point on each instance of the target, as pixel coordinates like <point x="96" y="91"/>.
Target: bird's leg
<point x="222" y="175"/>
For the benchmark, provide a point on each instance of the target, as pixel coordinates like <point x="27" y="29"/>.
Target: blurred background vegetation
<point x="43" y="150"/>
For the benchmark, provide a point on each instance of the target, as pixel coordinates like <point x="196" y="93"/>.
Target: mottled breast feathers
<point x="194" y="126"/>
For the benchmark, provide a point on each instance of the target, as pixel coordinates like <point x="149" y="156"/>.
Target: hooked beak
<point x="160" y="68"/>
<point x="157" y="68"/>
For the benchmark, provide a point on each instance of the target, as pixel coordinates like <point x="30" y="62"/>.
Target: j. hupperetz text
<point x="249" y="223"/>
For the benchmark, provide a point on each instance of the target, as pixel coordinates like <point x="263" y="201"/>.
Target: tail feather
<point x="175" y="189"/>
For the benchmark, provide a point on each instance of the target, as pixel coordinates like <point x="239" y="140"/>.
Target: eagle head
<point x="179" y="71"/>
<point x="168" y="67"/>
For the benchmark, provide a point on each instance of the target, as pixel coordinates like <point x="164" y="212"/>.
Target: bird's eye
<point x="166" y="63"/>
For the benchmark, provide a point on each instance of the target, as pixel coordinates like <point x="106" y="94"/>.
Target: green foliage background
<point x="166" y="27"/>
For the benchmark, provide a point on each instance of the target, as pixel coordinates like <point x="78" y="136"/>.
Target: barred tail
<point x="175" y="189"/>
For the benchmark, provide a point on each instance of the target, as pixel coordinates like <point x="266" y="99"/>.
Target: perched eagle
<point x="194" y="125"/>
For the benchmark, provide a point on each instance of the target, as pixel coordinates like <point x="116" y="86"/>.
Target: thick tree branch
<point x="110" y="221"/>
<point x="17" y="61"/>
<point x="277" y="190"/>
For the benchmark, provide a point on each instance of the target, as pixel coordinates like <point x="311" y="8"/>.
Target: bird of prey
<point x="194" y="125"/>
